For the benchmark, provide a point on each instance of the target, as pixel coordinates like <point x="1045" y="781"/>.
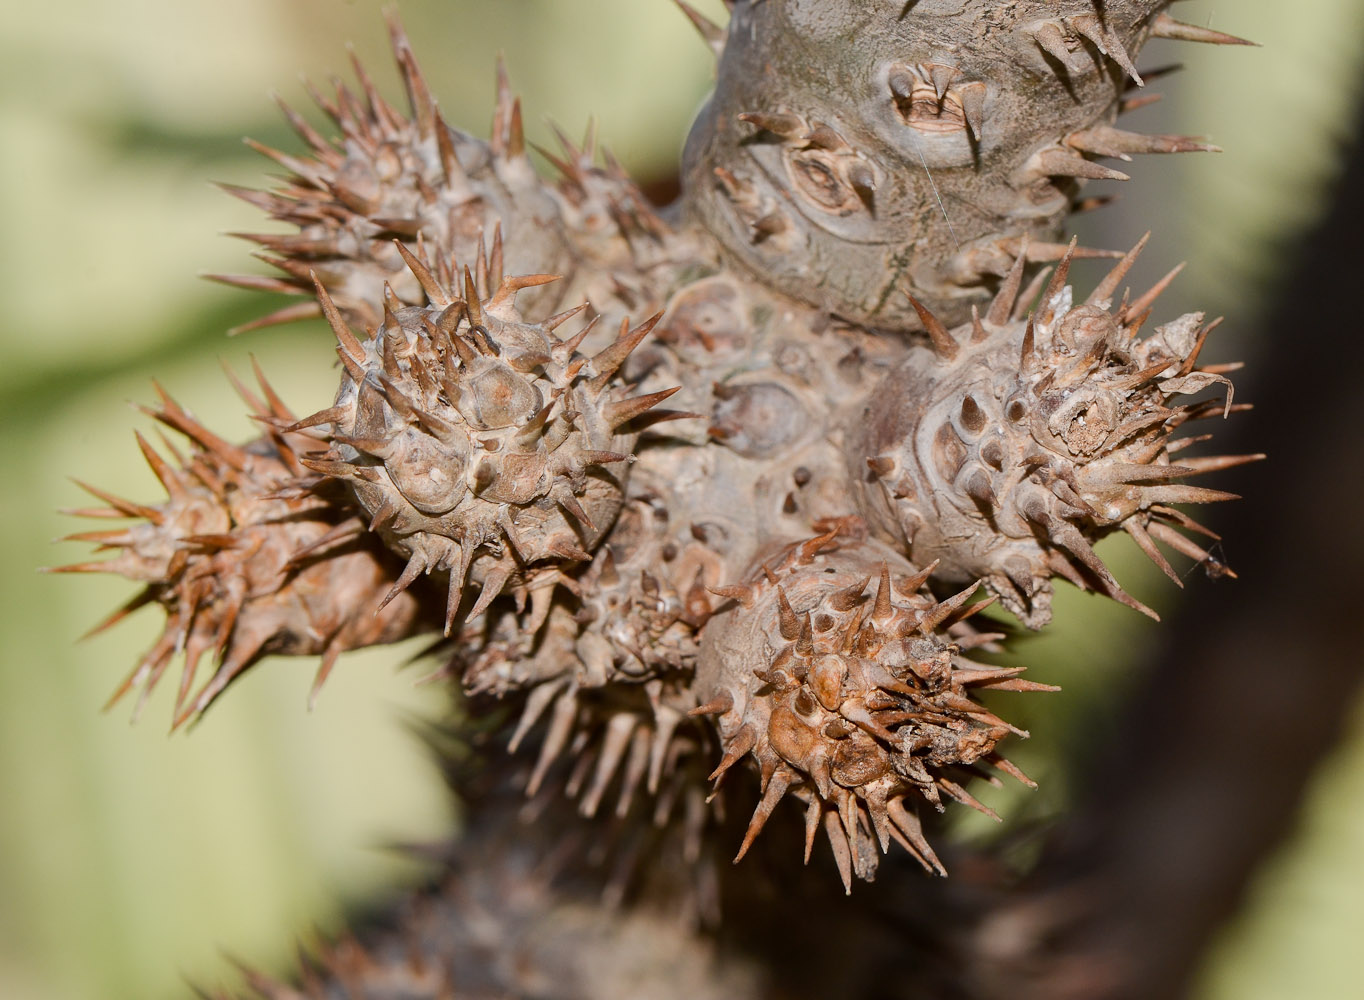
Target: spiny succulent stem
<point x="886" y="402"/>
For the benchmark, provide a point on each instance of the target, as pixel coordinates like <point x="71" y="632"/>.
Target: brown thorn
<point x="1068" y="537"/>
<point x="418" y="96"/>
<point x="978" y="334"/>
<point x="735" y="592"/>
<point x="560" y="729"/>
<point x="305" y="131"/>
<point x="838" y="842"/>
<point x="537" y="700"/>
<point x="411" y="571"/>
<point x="977" y="487"/>
<point x="1052" y="40"/>
<point x="85" y="567"/>
<point x="278" y="409"/>
<point x="1199" y="466"/>
<point x="1143" y="539"/>
<point x="471" y="299"/>
<point x="161" y="468"/>
<point x="172" y="415"/>
<point x="1026" y="351"/>
<point x="776" y="789"/>
<point x="967" y="799"/>
<point x="744" y="741"/>
<point x="1063" y="163"/>
<point x="608" y="361"/>
<point x="1010" y="768"/>
<point x="256" y="283"/>
<point x="455" y="176"/>
<point x="972" y="96"/>
<point x="1179" y="543"/>
<point x="349" y="344"/>
<point x="1165" y="26"/>
<point x="882" y="609"/>
<point x="947" y="609"/>
<point x="849" y="597"/>
<point x="424" y="277"/>
<point x="916" y="581"/>
<point x="117" y="537"/>
<point x="324" y="669"/>
<point x="1192" y="358"/>
<point x="1104" y="140"/>
<point x="501" y="110"/>
<point x="1058" y="279"/>
<point x="331" y="415"/>
<point x="908" y="824"/>
<point x="510" y="285"/>
<point x="496" y="263"/>
<point x="492" y="586"/>
<point x="1180" y="493"/>
<point x="288" y="314"/>
<point x="563" y="495"/>
<point x="788" y="624"/>
<point x="516" y="134"/>
<point x="559" y="319"/>
<point x="805" y="641"/>
<point x="1002" y="305"/>
<point x="1106" y="42"/>
<point x="1105" y="290"/>
<point x="305" y="171"/>
<point x="1030" y="293"/>
<point x="943" y="343"/>
<point x="812" y="814"/>
<point x="711" y="33"/>
<point x="352" y="527"/>
<point x="719" y="705"/>
<point x="615" y="740"/>
<point x="1146" y="300"/>
<point x="779" y="123"/>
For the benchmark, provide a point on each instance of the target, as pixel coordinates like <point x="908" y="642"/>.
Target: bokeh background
<point x="131" y="862"/>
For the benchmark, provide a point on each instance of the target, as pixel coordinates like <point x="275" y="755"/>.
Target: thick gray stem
<point x="854" y="149"/>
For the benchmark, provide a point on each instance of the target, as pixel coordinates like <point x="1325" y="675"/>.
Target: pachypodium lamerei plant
<point x="877" y="407"/>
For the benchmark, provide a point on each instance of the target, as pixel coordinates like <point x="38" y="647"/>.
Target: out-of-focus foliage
<point x="127" y="859"/>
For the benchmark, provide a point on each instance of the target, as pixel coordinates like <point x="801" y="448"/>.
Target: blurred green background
<point x="129" y="860"/>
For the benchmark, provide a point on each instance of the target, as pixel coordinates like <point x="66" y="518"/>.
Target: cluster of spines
<point x="857" y="704"/>
<point x="393" y="176"/>
<point x="609" y="679"/>
<point x="638" y="738"/>
<point x="1054" y="429"/>
<point x="456" y="418"/>
<point x="587" y="187"/>
<point x="244" y="558"/>
<point x="411" y="179"/>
